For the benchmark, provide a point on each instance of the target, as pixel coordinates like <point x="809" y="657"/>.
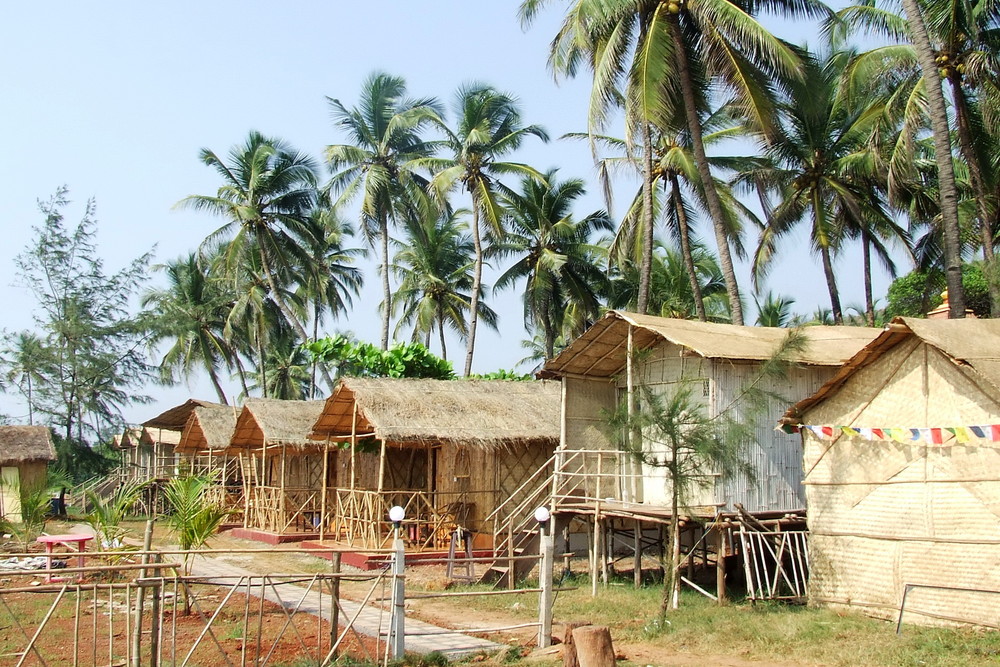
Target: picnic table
<point x="69" y="539"/>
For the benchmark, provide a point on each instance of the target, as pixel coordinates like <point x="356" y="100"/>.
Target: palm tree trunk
<point x="948" y="192"/>
<point x="477" y="281"/>
<point x="383" y="237"/>
<point x="979" y="190"/>
<point x="685" y="239"/>
<point x="866" y="261"/>
<point x="646" y="263"/>
<point x="444" y="348"/>
<point x="704" y="172"/>
<point x="824" y="243"/>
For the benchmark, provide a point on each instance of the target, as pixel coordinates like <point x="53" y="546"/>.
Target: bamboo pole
<point x="282" y="520"/>
<point x="322" y="499"/>
<point x="354" y="444"/>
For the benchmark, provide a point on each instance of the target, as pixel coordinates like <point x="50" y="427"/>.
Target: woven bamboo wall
<point x="885" y="513"/>
<point x="774" y="455"/>
<point x="585" y="402"/>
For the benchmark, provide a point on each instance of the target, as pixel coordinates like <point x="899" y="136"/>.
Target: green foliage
<point x="402" y="360"/>
<point x="503" y="374"/>
<point x="83" y="364"/>
<point x="192" y="517"/>
<point x="919" y="292"/>
<point x="108" y="514"/>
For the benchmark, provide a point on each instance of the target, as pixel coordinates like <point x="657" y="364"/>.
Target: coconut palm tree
<point x="191" y="311"/>
<point x="658" y="57"/>
<point x="552" y="252"/>
<point x="330" y="280"/>
<point x="385" y="134"/>
<point x="26" y="365"/>
<point x="434" y="265"/>
<point x="487" y="128"/>
<point x="267" y="195"/>
<point x="775" y="311"/>
<point x="963" y="35"/>
<point x="821" y="167"/>
<point x="670" y="290"/>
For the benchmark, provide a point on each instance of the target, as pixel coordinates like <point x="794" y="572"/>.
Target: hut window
<point x="704" y="388"/>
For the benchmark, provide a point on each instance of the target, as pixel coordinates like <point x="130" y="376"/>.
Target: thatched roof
<point x="162" y="436"/>
<point x="175" y="418"/>
<point x="130" y="437"/>
<point x="209" y="427"/>
<point x="25" y="444"/>
<point x="275" y="422"/>
<point x="601" y="350"/>
<point x="972" y="344"/>
<point x="486" y="413"/>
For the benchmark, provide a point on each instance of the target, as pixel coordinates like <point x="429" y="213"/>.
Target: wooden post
<point x="335" y="596"/>
<point x="282" y="519"/>
<point x="720" y="563"/>
<point x="381" y="470"/>
<point x="593" y="646"/>
<point x="545" y="566"/>
<point x="322" y="494"/>
<point x="247" y="482"/>
<point x="397" y="622"/>
<point x="595" y="550"/>
<point x="140" y="596"/>
<point x="154" y="626"/>
<point x="637" y="545"/>
<point x="354" y="443"/>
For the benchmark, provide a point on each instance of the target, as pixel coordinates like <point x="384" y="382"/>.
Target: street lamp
<point x="396" y="515"/>
<point x="542" y="516"/>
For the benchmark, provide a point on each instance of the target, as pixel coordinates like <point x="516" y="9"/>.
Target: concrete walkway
<point x="372" y="621"/>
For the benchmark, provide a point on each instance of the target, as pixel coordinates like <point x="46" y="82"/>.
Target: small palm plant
<point x="191" y="515"/>
<point x="108" y="514"/>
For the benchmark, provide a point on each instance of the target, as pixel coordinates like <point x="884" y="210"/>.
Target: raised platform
<point x="374" y="560"/>
<point x="271" y="538"/>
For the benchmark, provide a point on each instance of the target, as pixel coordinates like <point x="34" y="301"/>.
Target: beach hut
<point x="284" y="473"/>
<point x="902" y="475"/>
<point x="450" y="452"/>
<point x="25" y="452"/>
<point x="159" y="449"/>
<point x="717" y="363"/>
<point x="204" y="449"/>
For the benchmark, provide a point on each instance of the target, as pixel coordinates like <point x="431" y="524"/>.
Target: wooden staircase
<point x="516" y="535"/>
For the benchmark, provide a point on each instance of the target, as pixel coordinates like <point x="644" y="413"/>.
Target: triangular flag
<point x="914" y="434"/>
<point x="961" y="434"/>
<point x="828" y="431"/>
<point x="925" y="435"/>
<point x="937" y="437"/>
<point x="878" y="433"/>
<point x="995" y="432"/>
<point x="979" y="431"/>
<point x="865" y="433"/>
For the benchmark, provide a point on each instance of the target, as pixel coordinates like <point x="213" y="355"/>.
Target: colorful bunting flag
<point x="935" y="435"/>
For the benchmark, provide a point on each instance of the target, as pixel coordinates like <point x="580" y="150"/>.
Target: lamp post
<point x="546" y="548"/>
<point x="397" y="631"/>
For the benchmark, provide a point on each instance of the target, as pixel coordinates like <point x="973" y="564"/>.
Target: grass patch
<point x="763" y="632"/>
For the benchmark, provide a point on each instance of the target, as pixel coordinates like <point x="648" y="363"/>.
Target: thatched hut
<point x="25" y="452"/>
<point x="284" y="472"/>
<point x="204" y="448"/>
<point x="448" y="452"/>
<point x="716" y="363"/>
<point x="135" y="463"/>
<point x="901" y="455"/>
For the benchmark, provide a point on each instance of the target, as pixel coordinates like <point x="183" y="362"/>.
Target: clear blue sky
<point x="115" y="100"/>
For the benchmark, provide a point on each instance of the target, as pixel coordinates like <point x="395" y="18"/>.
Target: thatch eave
<point x="26" y="444"/>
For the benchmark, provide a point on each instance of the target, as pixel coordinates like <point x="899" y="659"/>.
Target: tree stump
<point x="569" y="646"/>
<point x="593" y="646"/>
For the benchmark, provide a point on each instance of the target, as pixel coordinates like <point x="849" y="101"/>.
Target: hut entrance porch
<point x="286" y="489"/>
